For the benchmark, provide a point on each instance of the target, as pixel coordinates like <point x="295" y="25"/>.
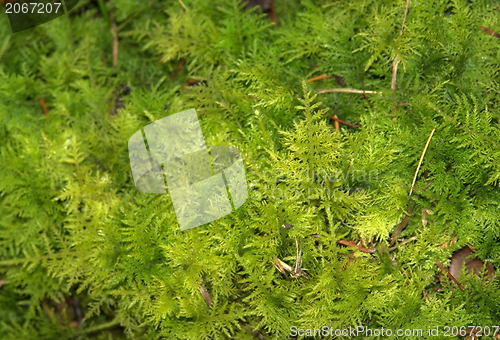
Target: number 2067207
<point x="478" y="331"/>
<point x="33" y="7"/>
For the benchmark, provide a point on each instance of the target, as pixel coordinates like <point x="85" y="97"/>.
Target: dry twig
<point x="401" y="226"/>
<point x="295" y="271"/>
<point x="345" y="91"/>
<point x="44" y="108"/>
<point x="490" y="32"/>
<point x="413" y="238"/>
<point x="352" y="244"/>
<point x="337" y="120"/>
<point x="282" y="266"/>
<point x="114" y="32"/>
<point x="396" y="60"/>
<point x="449" y="275"/>
<point x="323" y="76"/>
<point x="180" y="1"/>
<point x="396" y="106"/>
<point x="420" y="162"/>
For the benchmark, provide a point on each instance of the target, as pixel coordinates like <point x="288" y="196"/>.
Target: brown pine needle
<point x="490" y="32"/>
<point x="403" y="242"/>
<point x="449" y="275"/>
<point x="180" y="1"/>
<point x="337" y="120"/>
<point x="115" y="43"/>
<point x="396" y="60"/>
<point x="404" y="19"/>
<point x="401" y="226"/>
<point x="44" y="108"/>
<point x="178" y="69"/>
<point x="352" y="244"/>
<point x="345" y="91"/>
<point x="420" y="163"/>
<point x="395" y="107"/>
<point x="323" y="76"/>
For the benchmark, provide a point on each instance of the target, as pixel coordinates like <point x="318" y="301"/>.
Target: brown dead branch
<point x="337" y="120"/>
<point x="449" y="275"/>
<point x="490" y="32"/>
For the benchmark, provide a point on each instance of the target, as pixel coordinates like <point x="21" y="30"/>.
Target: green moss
<point x="73" y="225"/>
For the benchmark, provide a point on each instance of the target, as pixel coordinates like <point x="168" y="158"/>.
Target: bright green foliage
<point x="74" y="227"/>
